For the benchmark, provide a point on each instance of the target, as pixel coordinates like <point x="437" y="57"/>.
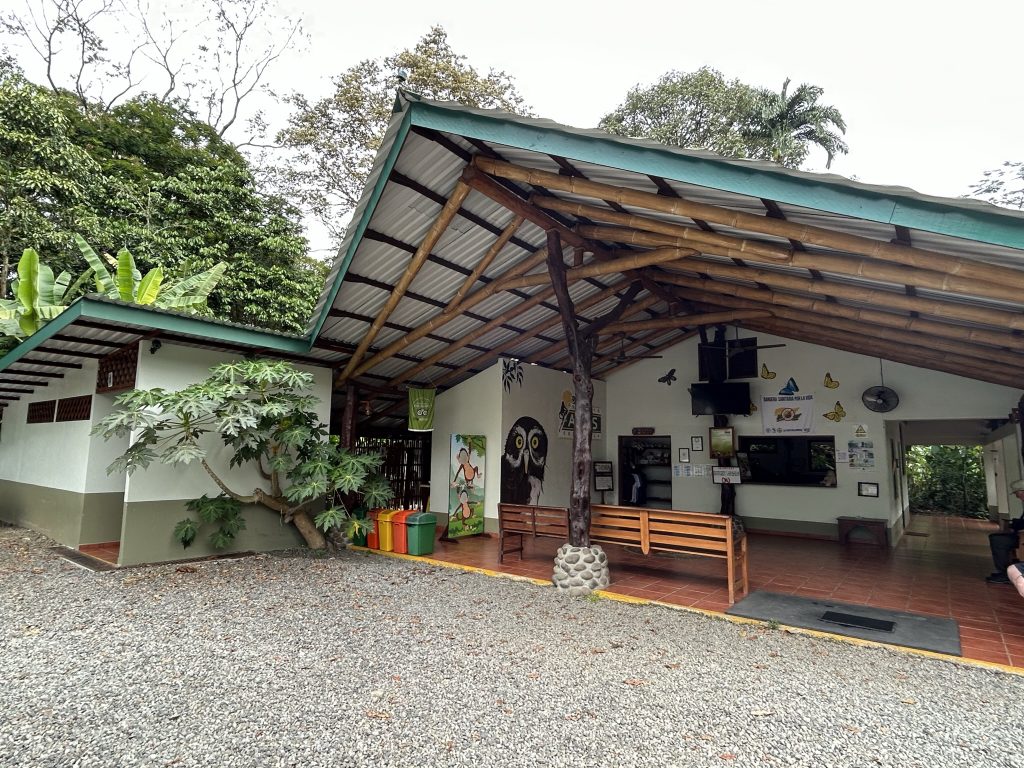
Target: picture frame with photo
<point x="697" y="443"/>
<point x="723" y="442"/>
<point x="867" y="489"/>
<point x="684" y="455"/>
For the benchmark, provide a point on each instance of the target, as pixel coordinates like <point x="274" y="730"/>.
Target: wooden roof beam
<point x="659" y="348"/>
<point x="947" y="310"/>
<point x="865" y="316"/>
<point x="622" y="264"/>
<point x="415" y="263"/>
<point x="900" y="353"/>
<point x="715" y="302"/>
<point x="865" y="246"/>
<point x="689" y="321"/>
<point x="485" y="262"/>
<point x="869" y="269"/>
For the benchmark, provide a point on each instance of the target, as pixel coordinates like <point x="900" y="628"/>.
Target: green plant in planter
<point x="264" y="413"/>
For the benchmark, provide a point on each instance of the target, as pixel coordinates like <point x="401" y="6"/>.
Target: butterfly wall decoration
<point x="668" y="378"/>
<point x="791" y="388"/>
<point x="830" y="383"/>
<point x="765" y="373"/>
<point x="837" y="413"/>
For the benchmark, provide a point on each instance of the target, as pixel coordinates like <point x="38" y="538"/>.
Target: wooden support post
<point x="348" y="419"/>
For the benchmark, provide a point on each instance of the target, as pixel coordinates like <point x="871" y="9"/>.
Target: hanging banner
<point x="466" y="486"/>
<point x="421" y="410"/>
<point x="787" y="414"/>
<point x="567" y="417"/>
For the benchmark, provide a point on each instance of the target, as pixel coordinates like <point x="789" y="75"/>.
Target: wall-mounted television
<point x="722" y="397"/>
<point x="789" y="460"/>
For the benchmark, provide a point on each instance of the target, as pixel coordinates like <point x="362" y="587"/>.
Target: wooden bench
<point x="516" y="520"/>
<point x="691" y="533"/>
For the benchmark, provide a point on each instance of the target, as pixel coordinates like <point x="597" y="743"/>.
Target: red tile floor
<point x="107" y="552"/>
<point x="938" y="568"/>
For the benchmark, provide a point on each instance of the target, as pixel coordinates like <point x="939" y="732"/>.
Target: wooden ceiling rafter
<point x="689" y="321"/>
<point x="673" y="341"/>
<point x="714" y="302"/>
<point x="50" y="363"/>
<point x="873" y="347"/>
<point x="485" y="261"/>
<point x="38" y="374"/>
<point x="874" y="297"/>
<point x="390" y="325"/>
<point x="71" y="352"/>
<point x="805" y="233"/>
<point x="437" y="228"/>
<point x="867" y="317"/>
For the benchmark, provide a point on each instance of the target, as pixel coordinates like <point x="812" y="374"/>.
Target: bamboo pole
<point x="688" y="321"/>
<point x="597" y="268"/>
<point x="870" y="269"/>
<point x="701" y="239"/>
<point x="443" y="318"/>
<point x="473" y="335"/>
<point x="867" y="317"/>
<point x="485" y="262"/>
<point x="451" y="207"/>
<point x="804" y="233"/>
<point x="899" y="353"/>
<point x="950" y="310"/>
<point x="899" y="336"/>
<point x="512" y="343"/>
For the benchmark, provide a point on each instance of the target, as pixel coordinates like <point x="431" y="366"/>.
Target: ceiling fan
<point x="622" y="357"/>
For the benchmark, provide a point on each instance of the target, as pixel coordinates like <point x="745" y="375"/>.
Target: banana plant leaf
<point x="103" y="282"/>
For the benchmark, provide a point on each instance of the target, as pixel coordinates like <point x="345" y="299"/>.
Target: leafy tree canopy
<point x="1003" y="186"/>
<point x="334" y="140"/>
<point x="704" y="110"/>
<point x="150" y="176"/>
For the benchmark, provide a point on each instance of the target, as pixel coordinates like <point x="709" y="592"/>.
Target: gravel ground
<point x="356" y="659"/>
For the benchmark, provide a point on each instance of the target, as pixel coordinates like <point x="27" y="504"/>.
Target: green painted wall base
<point x="148" y="534"/>
<point x="70" y="518"/>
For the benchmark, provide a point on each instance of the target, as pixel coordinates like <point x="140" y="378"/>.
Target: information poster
<point x="862" y="454"/>
<point x="466" y="486"/>
<point x="787" y="414"/>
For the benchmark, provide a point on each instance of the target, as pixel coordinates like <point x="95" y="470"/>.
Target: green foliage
<point x="46" y="177"/>
<point x="263" y="413"/>
<point x="474" y="443"/>
<point x="334" y="140"/>
<point x="703" y="110"/>
<point x="1002" y="186"/>
<point x="38" y="298"/>
<point x="150" y="174"/>
<point x="947" y="480"/>
<point x="128" y="284"/>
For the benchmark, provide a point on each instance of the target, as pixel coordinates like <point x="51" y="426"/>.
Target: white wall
<point x="540" y="397"/>
<point x="174" y="367"/>
<point x="59" y="454"/>
<point x="470" y="408"/>
<point x="637" y="399"/>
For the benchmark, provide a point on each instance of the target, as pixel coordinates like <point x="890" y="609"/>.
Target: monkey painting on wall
<point x="522" y="464"/>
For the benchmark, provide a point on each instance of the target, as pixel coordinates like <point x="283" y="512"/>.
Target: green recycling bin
<point x="359" y="539"/>
<point x="420" y="533"/>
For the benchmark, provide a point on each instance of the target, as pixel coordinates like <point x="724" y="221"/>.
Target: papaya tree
<point x="265" y="414"/>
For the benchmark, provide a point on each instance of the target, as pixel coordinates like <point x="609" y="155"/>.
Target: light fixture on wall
<point x="154" y="346"/>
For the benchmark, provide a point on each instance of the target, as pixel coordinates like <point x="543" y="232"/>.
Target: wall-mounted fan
<point x="880" y="398"/>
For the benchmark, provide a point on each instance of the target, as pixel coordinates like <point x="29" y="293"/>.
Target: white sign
<point x="860" y="430"/>
<point x="787" y="414"/>
<point x="726" y="475"/>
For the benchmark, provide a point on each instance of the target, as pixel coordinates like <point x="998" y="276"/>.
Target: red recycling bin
<point x="401" y="530"/>
<point x="372" y="538"/>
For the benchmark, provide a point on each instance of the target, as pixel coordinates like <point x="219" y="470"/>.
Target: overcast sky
<point x="930" y="91"/>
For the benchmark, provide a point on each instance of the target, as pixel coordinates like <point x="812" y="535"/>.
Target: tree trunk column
<point x="579" y="493"/>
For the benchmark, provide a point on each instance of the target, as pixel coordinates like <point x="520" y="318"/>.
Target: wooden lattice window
<point x="116" y="371"/>
<point x="41" y="412"/>
<point x="74" y="408"/>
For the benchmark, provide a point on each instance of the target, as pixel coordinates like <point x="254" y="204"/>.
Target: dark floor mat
<point x="927" y="633"/>
<point x="86" y="561"/>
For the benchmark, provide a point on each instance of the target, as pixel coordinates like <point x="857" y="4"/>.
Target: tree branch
<point x="592" y="330"/>
<point x="556" y="268"/>
<point x="220" y="484"/>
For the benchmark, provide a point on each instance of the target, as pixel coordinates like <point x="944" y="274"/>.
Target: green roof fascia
<point x="815" y="193"/>
<point x="119" y="313"/>
<point x="355" y="235"/>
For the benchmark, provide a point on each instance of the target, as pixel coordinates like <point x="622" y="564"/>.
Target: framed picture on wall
<point x="723" y="442"/>
<point x="867" y="489"/>
<point x="697" y="443"/>
<point x="602" y="467"/>
<point x="684" y="455"/>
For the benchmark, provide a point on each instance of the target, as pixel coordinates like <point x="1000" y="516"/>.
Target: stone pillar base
<point x="580" y="570"/>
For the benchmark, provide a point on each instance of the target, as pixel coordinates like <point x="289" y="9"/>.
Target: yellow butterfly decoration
<point x="753" y="408"/>
<point x="829" y="381"/>
<point x="837" y="414"/>
<point x="765" y="373"/>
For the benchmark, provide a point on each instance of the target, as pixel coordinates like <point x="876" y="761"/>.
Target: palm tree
<point x="787" y="125"/>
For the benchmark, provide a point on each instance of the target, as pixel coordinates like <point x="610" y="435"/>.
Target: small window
<point x="74" y="408"/>
<point x="41" y="412"/>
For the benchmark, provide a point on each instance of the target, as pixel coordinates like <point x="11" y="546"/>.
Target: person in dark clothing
<point x="1004" y="549"/>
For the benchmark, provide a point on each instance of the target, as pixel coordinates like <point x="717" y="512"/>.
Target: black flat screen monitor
<point x="724" y="398"/>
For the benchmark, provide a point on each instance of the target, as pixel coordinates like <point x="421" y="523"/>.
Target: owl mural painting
<point x="522" y="464"/>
